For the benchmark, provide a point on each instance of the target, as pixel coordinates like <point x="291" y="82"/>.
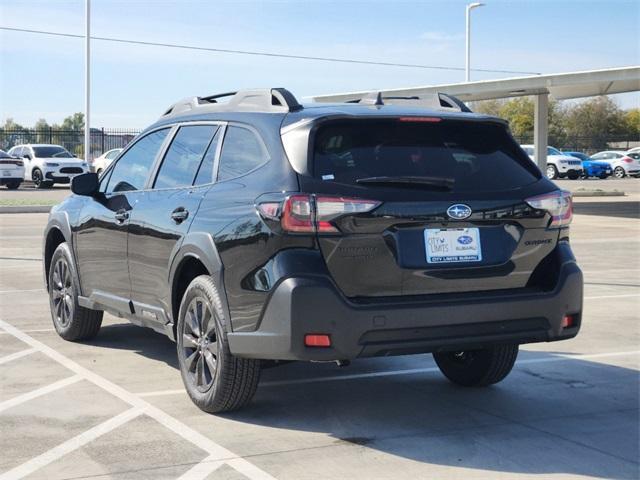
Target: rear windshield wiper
<point x="440" y="183"/>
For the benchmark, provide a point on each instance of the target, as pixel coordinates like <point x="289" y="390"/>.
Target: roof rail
<point x="269" y="100"/>
<point x="435" y="101"/>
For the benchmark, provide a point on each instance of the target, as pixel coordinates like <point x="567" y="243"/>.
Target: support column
<point x="541" y="130"/>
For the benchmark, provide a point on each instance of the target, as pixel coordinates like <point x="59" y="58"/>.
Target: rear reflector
<point x="317" y="340"/>
<point x="558" y="204"/>
<point x="568" y="321"/>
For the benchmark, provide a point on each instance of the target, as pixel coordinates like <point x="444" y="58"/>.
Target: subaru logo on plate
<point x="465" y="239"/>
<point x="459" y="211"/>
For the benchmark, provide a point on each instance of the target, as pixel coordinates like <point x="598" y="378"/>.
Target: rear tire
<point x="552" y="172"/>
<point x="14" y="185"/>
<point x="71" y="321"/>
<point x="477" y="368"/>
<point x="215" y="380"/>
<point x="603" y="176"/>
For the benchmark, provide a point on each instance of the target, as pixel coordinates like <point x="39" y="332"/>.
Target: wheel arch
<point x="197" y="255"/>
<point x="58" y="231"/>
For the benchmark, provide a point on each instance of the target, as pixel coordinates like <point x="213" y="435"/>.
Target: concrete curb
<point x="598" y="193"/>
<point x="26" y="209"/>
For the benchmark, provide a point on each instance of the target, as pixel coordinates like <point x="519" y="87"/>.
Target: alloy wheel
<point x="200" y="344"/>
<point x="62" y="293"/>
<point x="551" y="172"/>
<point x="37" y="178"/>
<point x="619" y="172"/>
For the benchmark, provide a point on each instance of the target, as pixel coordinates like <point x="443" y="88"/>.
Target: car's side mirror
<point x="26" y="157"/>
<point x="86" y="184"/>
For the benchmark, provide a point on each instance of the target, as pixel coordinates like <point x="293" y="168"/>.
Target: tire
<point x="14" y="185"/>
<point x="37" y="178"/>
<point x="71" y="321"/>
<point x="573" y="176"/>
<point x="99" y="172"/>
<point x="619" y="172"/>
<point x="215" y="380"/>
<point x="551" y="172"/>
<point x="603" y="176"/>
<point x="477" y="368"/>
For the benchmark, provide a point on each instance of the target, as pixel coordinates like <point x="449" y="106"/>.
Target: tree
<point x="488" y="107"/>
<point x="42" y="129"/>
<point x="591" y="124"/>
<point x="632" y="122"/>
<point x="9" y="124"/>
<point x="73" y="122"/>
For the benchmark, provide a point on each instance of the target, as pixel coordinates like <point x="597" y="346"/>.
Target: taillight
<point x="627" y="159"/>
<point x="310" y="213"/>
<point x="557" y="203"/>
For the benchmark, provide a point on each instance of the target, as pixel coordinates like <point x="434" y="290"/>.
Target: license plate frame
<point x="452" y="245"/>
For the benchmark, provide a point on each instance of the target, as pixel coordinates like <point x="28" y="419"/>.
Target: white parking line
<point x="70" y="445"/>
<point x="408" y="371"/>
<point x="23" y="291"/>
<point x="35" y="330"/>
<point x="25" y="397"/>
<point x="20" y="354"/>
<point x="201" y="470"/>
<point x="622" y="295"/>
<point x="215" y="451"/>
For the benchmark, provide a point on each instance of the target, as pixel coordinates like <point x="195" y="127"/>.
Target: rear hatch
<point x="445" y="206"/>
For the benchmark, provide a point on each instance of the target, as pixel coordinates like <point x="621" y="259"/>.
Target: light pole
<point x="87" y="81"/>
<point x="470" y="7"/>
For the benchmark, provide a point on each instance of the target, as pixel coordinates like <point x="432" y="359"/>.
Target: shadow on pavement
<point x="608" y="209"/>
<point x="571" y="417"/>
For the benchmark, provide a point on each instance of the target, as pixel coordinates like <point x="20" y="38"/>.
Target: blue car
<point x="592" y="168"/>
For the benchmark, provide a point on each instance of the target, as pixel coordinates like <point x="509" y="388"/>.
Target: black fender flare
<point x="200" y="245"/>
<point x="58" y="220"/>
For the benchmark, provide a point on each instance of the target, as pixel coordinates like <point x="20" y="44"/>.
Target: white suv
<point x="559" y="165"/>
<point x="48" y="164"/>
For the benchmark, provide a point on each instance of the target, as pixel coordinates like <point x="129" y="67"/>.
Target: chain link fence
<point x="102" y="140"/>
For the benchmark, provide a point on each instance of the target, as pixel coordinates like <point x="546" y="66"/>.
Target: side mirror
<point x="85" y="184"/>
<point x="26" y="157"/>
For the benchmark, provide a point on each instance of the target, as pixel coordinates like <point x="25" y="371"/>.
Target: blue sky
<point x="42" y="76"/>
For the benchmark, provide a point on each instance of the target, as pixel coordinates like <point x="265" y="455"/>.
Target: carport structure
<point x="561" y="85"/>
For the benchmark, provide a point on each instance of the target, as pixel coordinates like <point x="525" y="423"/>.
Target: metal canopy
<point x="559" y="85"/>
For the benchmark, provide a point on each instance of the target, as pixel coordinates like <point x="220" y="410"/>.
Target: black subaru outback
<point x="258" y="229"/>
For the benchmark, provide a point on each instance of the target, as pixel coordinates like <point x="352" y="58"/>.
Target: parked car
<point x="11" y="170"/>
<point x="100" y="163"/>
<point x="621" y="163"/>
<point x="592" y="168"/>
<point x="48" y="164"/>
<point x="559" y="165"/>
<point x="633" y="153"/>
<point x="261" y="229"/>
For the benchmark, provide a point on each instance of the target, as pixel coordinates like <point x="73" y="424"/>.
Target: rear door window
<point x="471" y="156"/>
<point x="184" y="156"/>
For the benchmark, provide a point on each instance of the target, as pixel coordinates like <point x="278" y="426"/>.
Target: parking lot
<point x="115" y="407"/>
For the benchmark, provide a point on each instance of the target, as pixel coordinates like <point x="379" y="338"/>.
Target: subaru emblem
<point x="459" y="211"/>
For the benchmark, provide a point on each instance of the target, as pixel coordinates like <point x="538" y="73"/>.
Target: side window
<point x="205" y="172"/>
<point x="241" y="153"/>
<point x="132" y="169"/>
<point x="112" y="154"/>
<point x="180" y="164"/>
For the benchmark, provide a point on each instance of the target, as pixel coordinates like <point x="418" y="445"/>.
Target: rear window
<point x="474" y="156"/>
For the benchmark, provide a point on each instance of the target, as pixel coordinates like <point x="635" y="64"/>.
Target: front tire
<point x="71" y="321"/>
<point x="477" y="368"/>
<point x="619" y="172"/>
<point x="552" y="172"/>
<point x="215" y="380"/>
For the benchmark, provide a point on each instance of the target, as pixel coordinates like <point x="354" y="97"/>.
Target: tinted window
<point x="474" y="156"/>
<point x="16" y="152"/>
<point x="180" y="164"/>
<point x="132" y="169"/>
<point x="51" y="152"/>
<point x="241" y="153"/>
<point x="112" y="154"/>
<point x="205" y="172"/>
<point x="553" y="151"/>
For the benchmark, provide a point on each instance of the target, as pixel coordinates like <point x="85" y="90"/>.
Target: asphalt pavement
<point x="114" y="407"/>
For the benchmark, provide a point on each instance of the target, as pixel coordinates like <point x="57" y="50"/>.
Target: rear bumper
<point x="313" y="305"/>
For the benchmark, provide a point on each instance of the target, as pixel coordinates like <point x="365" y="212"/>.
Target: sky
<point x="43" y="76"/>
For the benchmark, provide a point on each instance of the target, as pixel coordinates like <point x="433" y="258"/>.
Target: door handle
<point x="179" y="215"/>
<point x="121" y="216"/>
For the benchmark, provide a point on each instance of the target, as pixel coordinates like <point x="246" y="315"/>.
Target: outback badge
<point x="459" y="211"/>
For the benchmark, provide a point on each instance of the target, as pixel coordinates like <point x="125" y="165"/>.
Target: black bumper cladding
<point x="313" y="305"/>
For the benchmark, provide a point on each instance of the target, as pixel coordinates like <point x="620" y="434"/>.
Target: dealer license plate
<point x="452" y="245"/>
